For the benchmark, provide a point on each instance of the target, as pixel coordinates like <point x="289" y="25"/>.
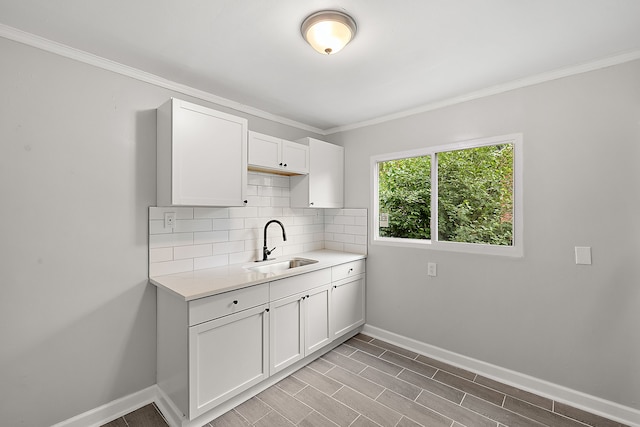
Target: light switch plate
<point x="432" y="269"/>
<point x="583" y="255"/>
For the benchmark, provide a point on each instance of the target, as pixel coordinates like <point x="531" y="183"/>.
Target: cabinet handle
<point x="245" y="201"/>
<point x="280" y="164"/>
<point x="311" y="204"/>
<point x="266" y="309"/>
<point x="335" y="286"/>
<point x="285" y="165"/>
<point x="235" y="301"/>
<point x="350" y="270"/>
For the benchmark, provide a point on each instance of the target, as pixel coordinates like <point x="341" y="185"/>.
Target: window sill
<point x="473" y="248"/>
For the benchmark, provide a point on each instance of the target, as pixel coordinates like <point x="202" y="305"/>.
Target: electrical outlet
<point x="432" y="269"/>
<point x="169" y="219"/>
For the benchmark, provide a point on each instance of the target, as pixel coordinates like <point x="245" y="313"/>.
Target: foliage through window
<point x="405" y="196"/>
<point x="470" y="187"/>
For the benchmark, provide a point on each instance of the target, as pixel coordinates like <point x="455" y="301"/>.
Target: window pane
<point x="404" y="191"/>
<point x="475" y="195"/>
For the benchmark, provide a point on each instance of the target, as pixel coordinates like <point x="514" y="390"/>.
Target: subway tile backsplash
<point x="346" y="230"/>
<point x="215" y="237"/>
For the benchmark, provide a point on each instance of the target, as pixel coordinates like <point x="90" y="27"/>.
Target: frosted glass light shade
<point x="328" y="31"/>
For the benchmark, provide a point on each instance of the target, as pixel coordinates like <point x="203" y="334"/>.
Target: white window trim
<point x="515" y="250"/>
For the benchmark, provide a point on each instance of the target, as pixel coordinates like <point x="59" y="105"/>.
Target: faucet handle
<point x="268" y="251"/>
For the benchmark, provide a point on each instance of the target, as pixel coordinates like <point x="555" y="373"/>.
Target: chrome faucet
<point x="265" y="251"/>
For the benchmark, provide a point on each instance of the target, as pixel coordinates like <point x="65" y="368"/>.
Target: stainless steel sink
<point x="280" y="266"/>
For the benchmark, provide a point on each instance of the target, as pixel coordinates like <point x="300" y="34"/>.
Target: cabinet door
<point x="317" y="304"/>
<point x="347" y="305"/>
<point x="323" y="187"/>
<point x="295" y="157"/>
<point x="227" y="356"/>
<point x="326" y="175"/>
<point x="264" y="151"/>
<point x="202" y="156"/>
<point x="268" y="153"/>
<point x="287" y="332"/>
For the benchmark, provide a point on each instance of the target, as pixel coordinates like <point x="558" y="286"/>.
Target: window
<point x="460" y="197"/>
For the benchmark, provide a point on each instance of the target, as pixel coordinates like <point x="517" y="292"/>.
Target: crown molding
<point x="116" y="67"/>
<point x="106" y="64"/>
<point x="494" y="90"/>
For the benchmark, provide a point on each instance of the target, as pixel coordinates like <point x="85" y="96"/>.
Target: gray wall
<point x="77" y="174"/>
<point x="542" y="315"/>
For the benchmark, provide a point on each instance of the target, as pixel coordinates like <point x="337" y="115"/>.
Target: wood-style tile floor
<point x="366" y="382"/>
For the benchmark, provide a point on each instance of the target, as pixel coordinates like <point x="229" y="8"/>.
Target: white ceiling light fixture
<point x="328" y="31"/>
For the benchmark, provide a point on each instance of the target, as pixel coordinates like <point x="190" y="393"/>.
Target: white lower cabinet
<point x="299" y="316"/>
<point x="299" y="326"/>
<point x="347" y="297"/>
<point x="317" y="319"/>
<point x="347" y="303"/>
<point x="212" y="349"/>
<point x="227" y="356"/>
<point x="287" y="332"/>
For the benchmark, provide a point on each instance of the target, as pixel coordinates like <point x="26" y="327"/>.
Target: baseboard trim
<point x="577" y="399"/>
<point x="614" y="411"/>
<point x="112" y="410"/>
<point x="171" y="413"/>
<point x="154" y="394"/>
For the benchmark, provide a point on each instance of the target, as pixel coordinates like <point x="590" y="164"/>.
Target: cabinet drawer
<point x="292" y="285"/>
<point x="349" y="269"/>
<point x="204" y="309"/>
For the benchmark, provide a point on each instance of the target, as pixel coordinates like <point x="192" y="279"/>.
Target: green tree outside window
<point x="475" y="196"/>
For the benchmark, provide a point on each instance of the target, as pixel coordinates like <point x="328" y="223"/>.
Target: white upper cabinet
<point x="271" y="154"/>
<point x="295" y="157"/>
<point x="323" y="187"/>
<point x="202" y="156"/>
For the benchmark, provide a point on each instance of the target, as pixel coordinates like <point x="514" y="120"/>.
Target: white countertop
<point x="211" y="281"/>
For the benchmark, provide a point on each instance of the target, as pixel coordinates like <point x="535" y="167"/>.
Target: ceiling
<point x="407" y="54"/>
